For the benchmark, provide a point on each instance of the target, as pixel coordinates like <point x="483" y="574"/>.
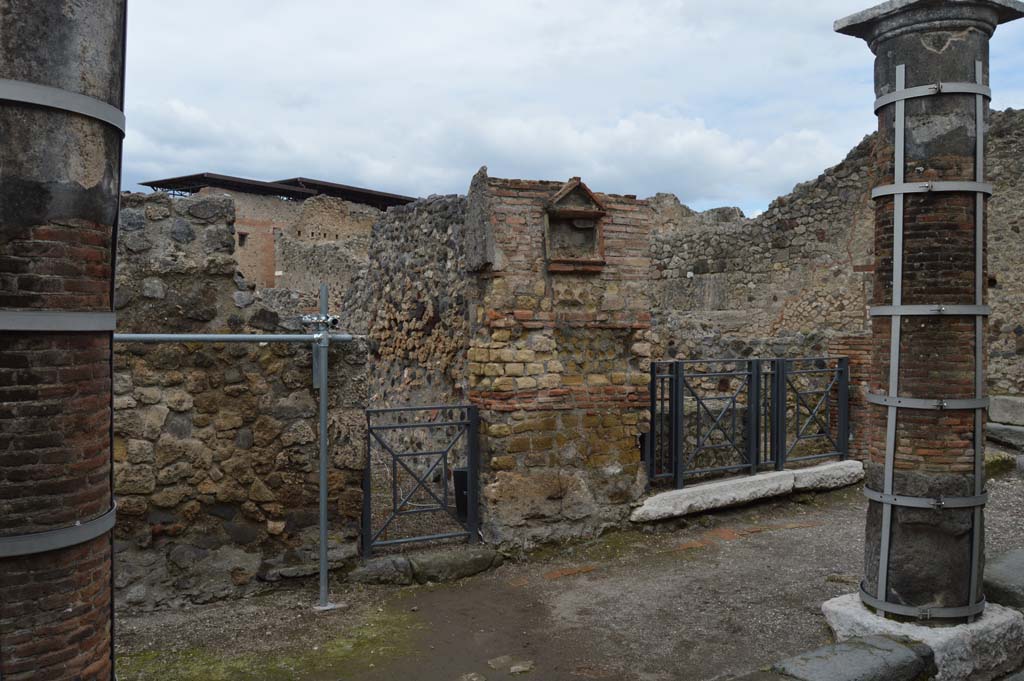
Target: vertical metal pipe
<point x="779" y="423"/>
<point x="321" y="348"/>
<point x="367" y="519"/>
<point x="473" y="476"/>
<point x="652" y="436"/>
<point x="844" y="408"/>
<point x="753" y="399"/>
<point x="678" y="423"/>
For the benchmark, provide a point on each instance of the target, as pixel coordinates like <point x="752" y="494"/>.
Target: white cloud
<point x="728" y="102"/>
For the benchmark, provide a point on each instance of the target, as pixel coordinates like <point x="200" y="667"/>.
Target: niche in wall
<point x="573" y="236"/>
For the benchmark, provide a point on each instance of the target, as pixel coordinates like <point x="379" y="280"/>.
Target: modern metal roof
<point x="293" y="188"/>
<point x="369" y="197"/>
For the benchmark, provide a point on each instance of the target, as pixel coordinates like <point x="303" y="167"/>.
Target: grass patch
<point x="383" y="636"/>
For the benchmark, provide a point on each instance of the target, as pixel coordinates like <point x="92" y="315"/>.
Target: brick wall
<point x="558" y="363"/>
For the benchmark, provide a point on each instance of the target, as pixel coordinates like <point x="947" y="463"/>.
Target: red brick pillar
<point x="61" y="93"/>
<point x="924" y="548"/>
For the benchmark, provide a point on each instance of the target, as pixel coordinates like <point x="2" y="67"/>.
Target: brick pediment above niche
<point x="573" y="230"/>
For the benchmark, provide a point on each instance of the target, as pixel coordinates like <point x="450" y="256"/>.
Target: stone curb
<point x="743" y="490"/>
<point x="872" y="658"/>
<point x="989" y="647"/>
<point x="432" y="566"/>
<point x="1004" y="579"/>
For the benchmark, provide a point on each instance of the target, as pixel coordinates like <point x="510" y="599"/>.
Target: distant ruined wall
<point x="258" y="217"/>
<point x="216" y="444"/>
<point x="783" y="283"/>
<point x="294" y="244"/>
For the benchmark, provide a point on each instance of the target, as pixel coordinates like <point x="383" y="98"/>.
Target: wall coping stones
<point x="986" y="649"/>
<point x="743" y="490"/>
<point x="1004" y="579"/>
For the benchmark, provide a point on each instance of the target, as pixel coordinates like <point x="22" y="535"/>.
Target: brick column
<point x="924" y="546"/>
<point x="62" y="70"/>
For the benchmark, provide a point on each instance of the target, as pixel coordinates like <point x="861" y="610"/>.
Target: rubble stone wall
<point x="216" y="444"/>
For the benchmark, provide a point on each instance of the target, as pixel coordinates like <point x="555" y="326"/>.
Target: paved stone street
<point x="725" y="594"/>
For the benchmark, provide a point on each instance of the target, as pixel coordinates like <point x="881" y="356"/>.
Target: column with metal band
<point x="61" y="101"/>
<point x="929" y="488"/>
<point x="894" y="402"/>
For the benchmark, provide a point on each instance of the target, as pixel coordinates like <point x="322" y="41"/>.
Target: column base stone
<point x="984" y="650"/>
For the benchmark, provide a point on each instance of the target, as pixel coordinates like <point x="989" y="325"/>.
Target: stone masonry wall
<point x="216" y="444"/>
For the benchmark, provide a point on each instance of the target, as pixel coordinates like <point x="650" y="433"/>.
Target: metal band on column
<point x="896" y="311"/>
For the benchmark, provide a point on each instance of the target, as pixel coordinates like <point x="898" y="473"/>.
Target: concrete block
<point x="713" y="495"/>
<point x="986" y="649"/>
<point x="1004" y="579"/>
<point x="832" y="475"/>
<point x="1006" y="409"/>
<point x="1009" y="436"/>
<point x="873" y="658"/>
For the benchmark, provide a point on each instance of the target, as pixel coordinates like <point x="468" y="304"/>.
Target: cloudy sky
<point x="721" y="102"/>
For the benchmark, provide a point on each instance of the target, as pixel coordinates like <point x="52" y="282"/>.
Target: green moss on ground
<point x="999" y="463"/>
<point x="383" y="636"/>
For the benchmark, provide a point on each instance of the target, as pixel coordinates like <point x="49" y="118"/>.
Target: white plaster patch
<point x="988" y="648"/>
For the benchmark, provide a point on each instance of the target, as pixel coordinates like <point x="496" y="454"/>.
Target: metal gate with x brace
<point x="421" y="480"/>
<point x="714" y="417"/>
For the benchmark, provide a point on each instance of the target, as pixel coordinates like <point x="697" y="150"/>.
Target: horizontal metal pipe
<point x="228" y="337"/>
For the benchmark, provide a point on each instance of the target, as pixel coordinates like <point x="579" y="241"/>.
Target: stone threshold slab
<point x="744" y="490"/>
<point x="988" y="648"/>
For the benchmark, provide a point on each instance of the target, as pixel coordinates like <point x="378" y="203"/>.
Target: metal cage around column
<point x="893" y="401"/>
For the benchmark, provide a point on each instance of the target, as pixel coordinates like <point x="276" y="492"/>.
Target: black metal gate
<point x="718" y="416"/>
<point x="421" y="480"/>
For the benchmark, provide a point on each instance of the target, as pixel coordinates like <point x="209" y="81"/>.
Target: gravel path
<point x="719" y="596"/>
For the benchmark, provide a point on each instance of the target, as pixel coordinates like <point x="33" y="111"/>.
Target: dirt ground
<point x="700" y="600"/>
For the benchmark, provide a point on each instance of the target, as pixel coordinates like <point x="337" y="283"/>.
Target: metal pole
<point x="473" y="475"/>
<point x="367" y="521"/>
<point x="652" y="431"/>
<point x="753" y="400"/>
<point x="844" y="408"/>
<point x="230" y="337"/>
<point x="779" y="422"/>
<point x="321" y="347"/>
<point x="677" y="422"/>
